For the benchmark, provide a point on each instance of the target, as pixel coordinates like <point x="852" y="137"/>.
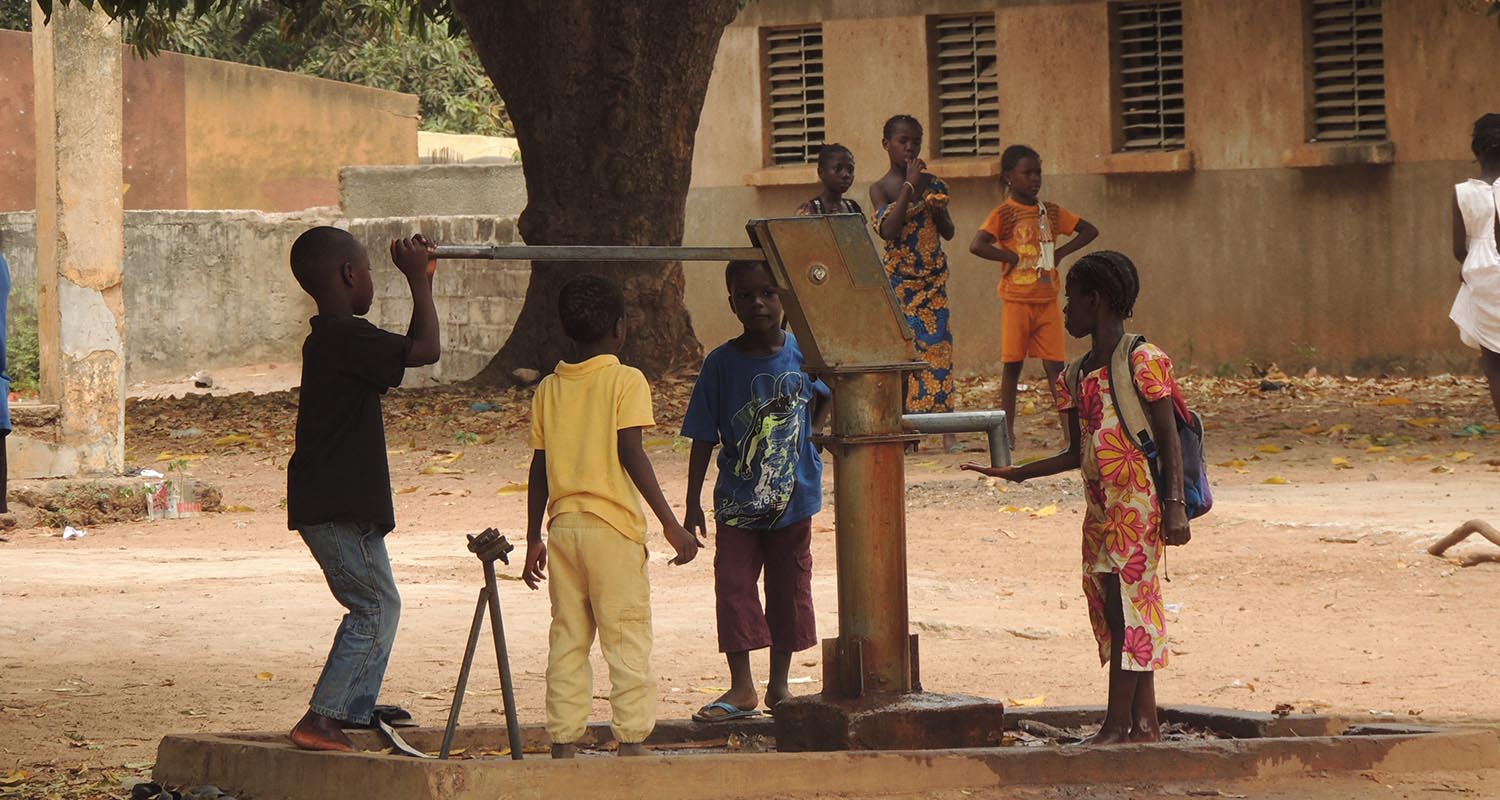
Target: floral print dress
<point x="918" y="270"/>
<point x="1122" y="526"/>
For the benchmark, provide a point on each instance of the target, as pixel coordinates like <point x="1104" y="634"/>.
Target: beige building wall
<point x="205" y="134"/>
<point x="263" y="139"/>
<point x="1242" y="257"/>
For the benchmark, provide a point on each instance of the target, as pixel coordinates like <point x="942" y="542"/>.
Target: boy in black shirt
<point x="338" y="484"/>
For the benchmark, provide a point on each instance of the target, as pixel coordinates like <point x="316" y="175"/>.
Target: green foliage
<point x="22" y="346"/>
<point x="15" y="15"/>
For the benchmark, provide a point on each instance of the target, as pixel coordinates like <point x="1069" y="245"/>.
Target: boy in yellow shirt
<point x="589" y="472"/>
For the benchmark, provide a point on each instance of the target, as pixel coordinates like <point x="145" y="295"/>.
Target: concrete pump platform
<point x="730" y="760"/>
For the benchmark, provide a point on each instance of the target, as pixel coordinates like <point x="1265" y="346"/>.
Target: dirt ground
<point x="1308" y="585"/>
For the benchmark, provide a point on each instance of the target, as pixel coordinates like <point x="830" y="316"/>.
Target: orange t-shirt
<point x="1017" y="228"/>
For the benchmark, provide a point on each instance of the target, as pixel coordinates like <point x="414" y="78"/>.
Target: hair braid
<point x="1112" y="276"/>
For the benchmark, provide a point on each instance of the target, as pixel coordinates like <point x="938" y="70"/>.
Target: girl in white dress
<point x="1476" y="219"/>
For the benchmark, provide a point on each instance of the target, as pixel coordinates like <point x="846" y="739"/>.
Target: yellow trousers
<point x="597" y="581"/>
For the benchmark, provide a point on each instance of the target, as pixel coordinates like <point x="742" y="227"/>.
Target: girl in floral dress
<point x="1131" y="512"/>
<point x="911" y="216"/>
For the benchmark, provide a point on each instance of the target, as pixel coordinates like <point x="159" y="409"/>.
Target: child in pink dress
<point x="1133" y="509"/>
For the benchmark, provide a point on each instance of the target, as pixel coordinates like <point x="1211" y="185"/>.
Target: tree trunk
<point x="605" y="97"/>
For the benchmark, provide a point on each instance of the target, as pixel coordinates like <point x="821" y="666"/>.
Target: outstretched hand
<point x="1004" y="473"/>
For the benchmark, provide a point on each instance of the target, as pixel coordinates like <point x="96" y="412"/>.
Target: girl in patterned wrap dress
<point x="1131" y="513"/>
<point x="912" y="218"/>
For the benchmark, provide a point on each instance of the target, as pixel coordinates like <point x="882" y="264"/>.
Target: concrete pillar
<point x="80" y="234"/>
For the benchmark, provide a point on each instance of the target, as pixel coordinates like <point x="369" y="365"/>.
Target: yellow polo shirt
<point x="576" y="415"/>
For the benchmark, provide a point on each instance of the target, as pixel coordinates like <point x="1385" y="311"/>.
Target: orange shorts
<point x="1032" y="330"/>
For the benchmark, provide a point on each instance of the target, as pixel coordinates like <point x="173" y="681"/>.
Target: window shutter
<point x="1348" y="70"/>
<point x="1148" y="70"/>
<point x="794" y="92"/>
<point x="966" y="89"/>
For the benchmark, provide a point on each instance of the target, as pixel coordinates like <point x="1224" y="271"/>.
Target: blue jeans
<point x="358" y="571"/>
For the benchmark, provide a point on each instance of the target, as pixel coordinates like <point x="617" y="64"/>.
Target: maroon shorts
<point x="786" y="622"/>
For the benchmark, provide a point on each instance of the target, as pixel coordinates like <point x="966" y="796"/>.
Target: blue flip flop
<point x="730" y="710"/>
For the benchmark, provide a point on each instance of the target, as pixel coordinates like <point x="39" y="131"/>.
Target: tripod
<point x="488" y="546"/>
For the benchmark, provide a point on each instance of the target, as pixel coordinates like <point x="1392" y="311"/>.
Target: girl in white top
<point x="1476" y="220"/>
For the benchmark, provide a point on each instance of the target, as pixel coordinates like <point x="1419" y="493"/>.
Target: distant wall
<point x="205" y="134"/>
<point x="1249" y="246"/>
<point x="212" y="289"/>
<point x="435" y="189"/>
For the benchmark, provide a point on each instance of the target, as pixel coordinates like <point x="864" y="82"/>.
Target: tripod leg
<point x="463" y="673"/>
<point x="507" y="692"/>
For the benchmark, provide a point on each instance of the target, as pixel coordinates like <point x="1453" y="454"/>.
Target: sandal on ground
<point x="730" y="712"/>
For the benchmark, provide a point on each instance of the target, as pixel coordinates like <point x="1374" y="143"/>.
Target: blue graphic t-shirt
<point x="759" y="410"/>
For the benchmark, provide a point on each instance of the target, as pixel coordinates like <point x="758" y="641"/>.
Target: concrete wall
<point x="207" y="134"/>
<point x="1242" y="257"/>
<point x="212" y="289"/>
<point x="433" y="190"/>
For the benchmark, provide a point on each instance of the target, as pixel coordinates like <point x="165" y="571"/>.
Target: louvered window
<point x="1348" y="70"/>
<point x="794" y="93"/>
<point x="968" y="98"/>
<point x="1148" y="72"/>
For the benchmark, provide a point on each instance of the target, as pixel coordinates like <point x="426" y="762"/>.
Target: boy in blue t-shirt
<point x="754" y="398"/>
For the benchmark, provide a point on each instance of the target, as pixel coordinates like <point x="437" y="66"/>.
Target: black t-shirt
<point x="338" y="471"/>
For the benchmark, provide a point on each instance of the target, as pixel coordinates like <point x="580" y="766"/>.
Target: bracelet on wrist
<point x="1175" y="500"/>
<point x="908" y="184"/>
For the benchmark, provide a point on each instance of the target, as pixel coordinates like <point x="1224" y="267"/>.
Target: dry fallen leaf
<point x="264" y="676"/>
<point x="1395" y="401"/>
<point x="1045" y="511"/>
<point x="233" y="438"/>
<point x="1269" y="448"/>
<point x="1461" y="456"/>
<point x="1313" y="429"/>
<point x="1339" y="462"/>
<point x="1424" y="422"/>
<point x="437" y="470"/>
<point x="512" y="488"/>
<point x="406" y="490"/>
<point x="1276" y="480"/>
<point x="1026" y="702"/>
<point x="1234" y="463"/>
<point x="1443" y="469"/>
<point x="1375" y="448"/>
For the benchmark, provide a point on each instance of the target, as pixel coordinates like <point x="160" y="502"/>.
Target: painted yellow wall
<point x="1241" y="257"/>
<point x="258" y="138"/>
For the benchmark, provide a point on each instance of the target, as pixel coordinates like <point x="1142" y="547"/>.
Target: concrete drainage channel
<point x="734" y="760"/>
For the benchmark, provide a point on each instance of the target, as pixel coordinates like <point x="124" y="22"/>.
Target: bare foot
<point x="1140" y="735"/>
<point x="631" y="749"/>
<point x="1107" y="736"/>
<point x="564" y="750"/>
<point x="776" y="694"/>
<point x="317" y="732"/>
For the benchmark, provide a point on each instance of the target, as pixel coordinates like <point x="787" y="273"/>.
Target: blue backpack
<point x="1131" y="411"/>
